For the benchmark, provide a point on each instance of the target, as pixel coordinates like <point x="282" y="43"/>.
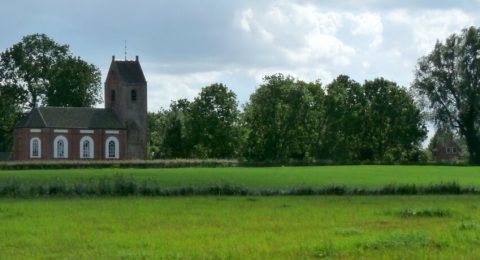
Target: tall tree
<point x="214" y="122"/>
<point x="46" y="73"/>
<point x="38" y="71"/>
<point x="10" y="111"/>
<point x="284" y="119"/>
<point x="393" y="126"/>
<point x="75" y="83"/>
<point x="345" y="117"/>
<point x="167" y="128"/>
<point x="177" y="143"/>
<point x="448" y="80"/>
<point x="28" y="65"/>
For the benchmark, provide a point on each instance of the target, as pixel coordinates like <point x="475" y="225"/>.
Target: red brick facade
<point x="447" y="151"/>
<point x="23" y="137"/>
<point x="76" y="133"/>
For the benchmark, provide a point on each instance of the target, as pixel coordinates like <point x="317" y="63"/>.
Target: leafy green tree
<point x="28" y="65"/>
<point x="10" y="111"/>
<point x="284" y="119"/>
<point x="48" y="74"/>
<point x="39" y="71"/>
<point x="214" y="122"/>
<point x="345" y="117"/>
<point x="156" y="134"/>
<point x="168" y="137"/>
<point x="375" y="121"/>
<point x="177" y="142"/>
<point x="448" y="81"/>
<point x="75" y="83"/>
<point x="394" y="124"/>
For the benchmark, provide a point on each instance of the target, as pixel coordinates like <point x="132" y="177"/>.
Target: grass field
<point x="268" y="177"/>
<point x="230" y="227"/>
<point x="241" y="227"/>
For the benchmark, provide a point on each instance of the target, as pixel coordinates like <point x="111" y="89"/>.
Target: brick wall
<point x="73" y="136"/>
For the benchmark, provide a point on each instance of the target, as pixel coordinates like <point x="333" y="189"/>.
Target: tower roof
<point x="128" y="71"/>
<point x="71" y="117"/>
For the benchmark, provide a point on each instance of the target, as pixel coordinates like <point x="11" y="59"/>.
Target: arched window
<point x="133" y="95"/>
<point x="60" y="147"/>
<point x="112" y="96"/>
<point x="112" y="148"/>
<point x="86" y="148"/>
<point x="35" y="148"/>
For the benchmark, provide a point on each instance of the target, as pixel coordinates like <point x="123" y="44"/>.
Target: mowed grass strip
<point x="241" y="227"/>
<point x="267" y="177"/>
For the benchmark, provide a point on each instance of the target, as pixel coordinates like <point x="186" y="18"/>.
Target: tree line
<point x="285" y="118"/>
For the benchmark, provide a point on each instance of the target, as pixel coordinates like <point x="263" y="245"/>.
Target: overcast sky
<point x="186" y="45"/>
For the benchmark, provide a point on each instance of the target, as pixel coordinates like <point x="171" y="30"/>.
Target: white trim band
<point x="114" y="132"/>
<point x="35" y="130"/>
<point x="86" y="131"/>
<point x="60" y="131"/>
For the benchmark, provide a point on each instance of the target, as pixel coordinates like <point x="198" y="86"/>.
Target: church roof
<point x="130" y="71"/>
<point x="71" y="117"/>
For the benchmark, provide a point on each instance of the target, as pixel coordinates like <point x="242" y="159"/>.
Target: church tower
<point x="126" y="94"/>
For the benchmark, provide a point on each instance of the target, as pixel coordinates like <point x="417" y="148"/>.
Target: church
<point x="116" y="132"/>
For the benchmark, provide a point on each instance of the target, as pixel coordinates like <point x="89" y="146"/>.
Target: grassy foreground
<point x="242" y="227"/>
<point x="267" y="177"/>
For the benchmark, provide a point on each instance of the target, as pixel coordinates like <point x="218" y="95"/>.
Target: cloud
<point x="304" y="34"/>
<point x="369" y="24"/>
<point x="428" y="26"/>
<point x="163" y="88"/>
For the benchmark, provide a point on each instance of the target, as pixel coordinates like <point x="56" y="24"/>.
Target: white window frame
<point x="117" y="147"/>
<point x="451" y="150"/>
<point x="55" y="147"/>
<point x="91" y="148"/>
<point x="39" y="147"/>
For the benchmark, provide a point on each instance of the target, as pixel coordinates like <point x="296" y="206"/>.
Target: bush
<point x="120" y="185"/>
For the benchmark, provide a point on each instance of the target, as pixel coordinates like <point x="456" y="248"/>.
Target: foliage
<point x="393" y="127"/>
<point x="119" y="185"/>
<point x="345" y="120"/>
<point x="447" y="79"/>
<point x="39" y="71"/>
<point x="10" y="112"/>
<point x="168" y="137"/>
<point x="28" y="65"/>
<point x="74" y="83"/>
<point x="377" y="121"/>
<point x="284" y="119"/>
<point x="213" y="128"/>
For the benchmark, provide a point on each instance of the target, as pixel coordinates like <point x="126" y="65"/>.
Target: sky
<point x="185" y="45"/>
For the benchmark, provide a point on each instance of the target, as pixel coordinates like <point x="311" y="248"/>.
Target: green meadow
<point x="266" y="177"/>
<point x="402" y="227"/>
<point x="245" y="227"/>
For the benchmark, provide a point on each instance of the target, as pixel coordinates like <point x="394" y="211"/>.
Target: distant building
<point x="447" y="150"/>
<point x="119" y="131"/>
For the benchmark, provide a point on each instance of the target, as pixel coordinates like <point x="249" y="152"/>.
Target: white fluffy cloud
<point x="164" y="88"/>
<point x="306" y="34"/>
<point x="428" y="26"/>
<point x="311" y="42"/>
<point x="369" y="24"/>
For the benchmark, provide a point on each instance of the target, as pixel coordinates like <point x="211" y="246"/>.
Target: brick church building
<point x="116" y="132"/>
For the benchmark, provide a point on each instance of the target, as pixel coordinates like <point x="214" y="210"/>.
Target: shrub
<point x="120" y="185"/>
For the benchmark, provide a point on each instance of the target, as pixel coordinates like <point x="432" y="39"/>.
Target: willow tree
<point x="448" y="80"/>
